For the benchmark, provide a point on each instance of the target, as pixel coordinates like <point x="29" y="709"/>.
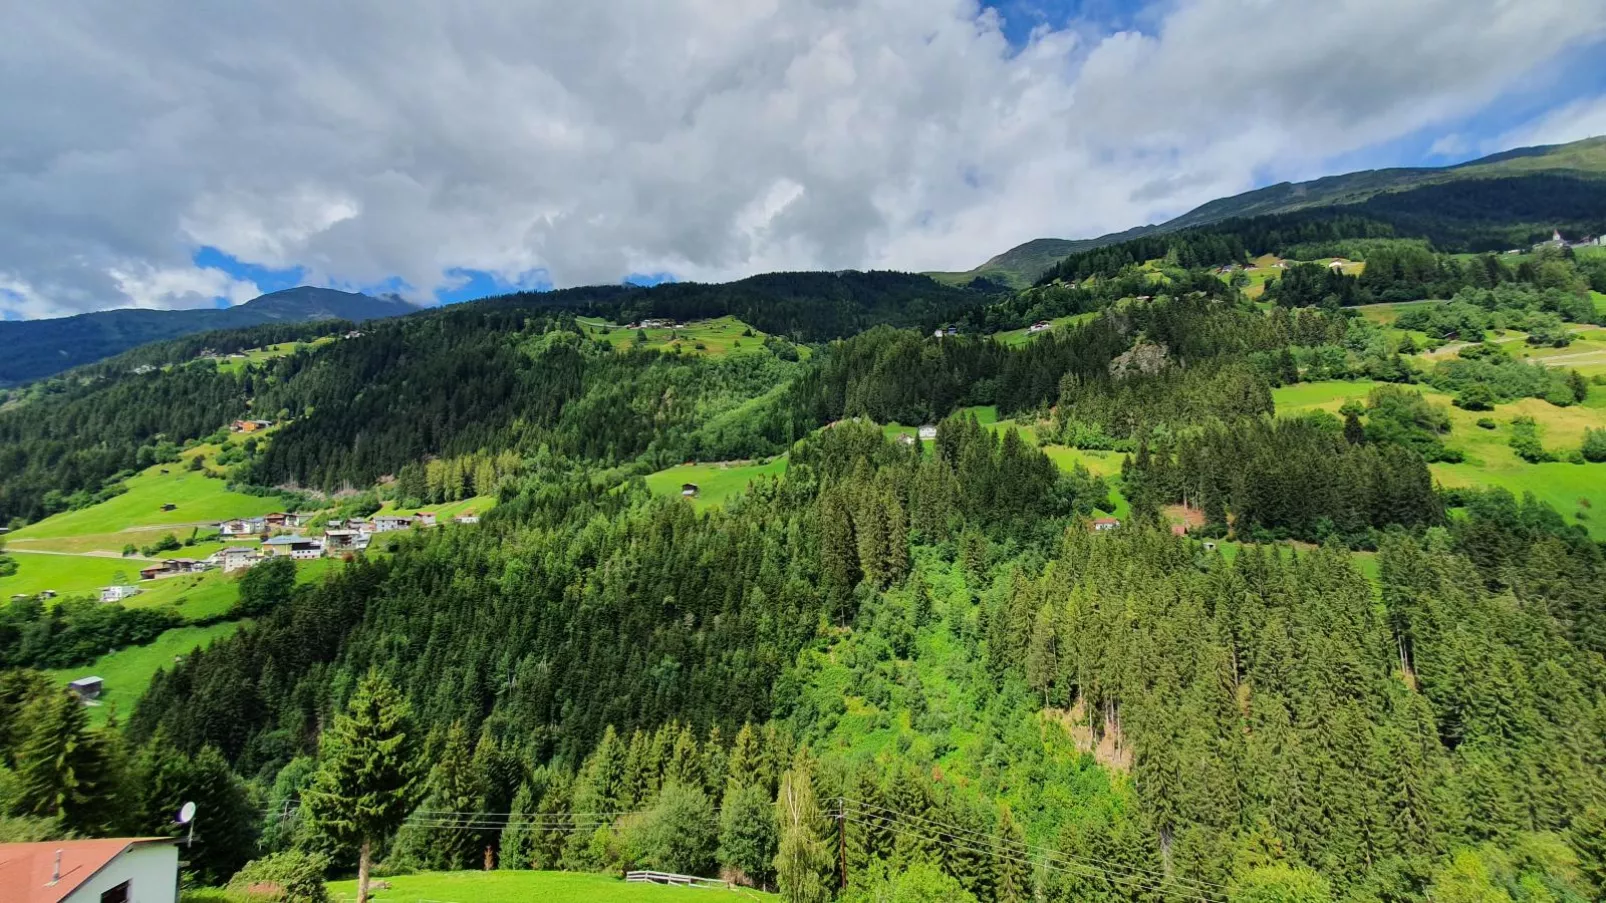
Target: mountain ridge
<point x="1023" y="263"/>
<point x="40" y="348"/>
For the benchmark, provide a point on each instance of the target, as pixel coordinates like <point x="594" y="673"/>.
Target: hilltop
<point x="40" y="348"/>
<point x="1522" y="169"/>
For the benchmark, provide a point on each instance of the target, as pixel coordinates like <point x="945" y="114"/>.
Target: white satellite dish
<point x="186" y="814"/>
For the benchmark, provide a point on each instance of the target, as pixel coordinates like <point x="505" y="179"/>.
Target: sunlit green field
<point x="196" y="497"/>
<point x="255" y="356"/>
<point x="1015" y="337"/>
<point x="715" y="482"/>
<point x="717" y="337"/>
<point x="529" y="887"/>
<point x="445" y="511"/>
<point x="1576" y="491"/>
<point x="128" y="672"/>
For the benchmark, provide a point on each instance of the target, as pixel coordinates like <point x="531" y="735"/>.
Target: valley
<point x="1256" y="556"/>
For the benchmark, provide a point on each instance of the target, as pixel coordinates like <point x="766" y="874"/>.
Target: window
<point x="118" y="894"/>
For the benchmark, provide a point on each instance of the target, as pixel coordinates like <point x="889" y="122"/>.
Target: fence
<point x="671" y="878"/>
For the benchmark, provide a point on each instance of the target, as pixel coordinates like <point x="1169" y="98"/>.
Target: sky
<point x="165" y="155"/>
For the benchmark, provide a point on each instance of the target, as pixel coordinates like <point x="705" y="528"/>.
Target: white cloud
<point x="371" y="139"/>
<point x="179" y="287"/>
<point x="1584" y="118"/>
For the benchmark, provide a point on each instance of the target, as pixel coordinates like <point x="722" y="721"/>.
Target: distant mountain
<point x="1390" y="193"/>
<point x="40" y="348"/>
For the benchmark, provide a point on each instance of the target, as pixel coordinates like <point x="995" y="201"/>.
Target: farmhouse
<point x="235" y="558"/>
<point x="255" y="526"/>
<point x="297" y="520"/>
<point x="172" y="567"/>
<point x="1103" y="524"/>
<point x="87" y="687"/>
<point x="929" y="431"/>
<point x="250" y="426"/>
<point x="657" y="324"/>
<point x="385" y="523"/>
<point x="689" y="490"/>
<point x="111" y="870"/>
<point x="117" y="593"/>
<point x="275" y="521"/>
<point x="298" y="547"/>
<point x="341" y="540"/>
<point x="1040" y="326"/>
<point x="467" y="517"/>
<point x="424" y="518"/>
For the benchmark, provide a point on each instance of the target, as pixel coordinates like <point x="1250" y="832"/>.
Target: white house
<point x="468" y="517"/>
<point x="385" y="523"/>
<point x="235" y="558"/>
<point x="424" y="518"/>
<point x="299" y="548"/>
<point x="112" y="870"/>
<point x="117" y="593"/>
<point x="928" y="432"/>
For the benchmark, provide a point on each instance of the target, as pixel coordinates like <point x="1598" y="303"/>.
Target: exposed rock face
<point x="1145" y="359"/>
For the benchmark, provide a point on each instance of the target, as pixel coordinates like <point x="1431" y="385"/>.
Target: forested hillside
<point x="1258" y="561"/>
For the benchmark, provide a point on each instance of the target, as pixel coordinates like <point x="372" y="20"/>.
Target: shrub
<point x="1476" y="397"/>
<point x="1594" y="447"/>
<point x="1525" y="441"/>
<point x="288" y="877"/>
<point x="1486" y="423"/>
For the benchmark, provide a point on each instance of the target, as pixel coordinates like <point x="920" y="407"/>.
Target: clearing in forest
<point x="508" y="886"/>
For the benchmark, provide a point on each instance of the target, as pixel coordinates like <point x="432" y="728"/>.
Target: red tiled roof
<point x="26" y="868"/>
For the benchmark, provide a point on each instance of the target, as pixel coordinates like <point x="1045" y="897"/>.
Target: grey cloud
<point x="371" y="139"/>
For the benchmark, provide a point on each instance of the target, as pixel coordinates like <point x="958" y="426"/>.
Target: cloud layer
<point x="580" y="142"/>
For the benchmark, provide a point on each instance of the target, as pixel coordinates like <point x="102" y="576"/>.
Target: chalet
<point x="297" y="520"/>
<point x="1103" y="524"/>
<point x="250" y="426"/>
<point x="689" y="490"/>
<point x="1040" y="326"/>
<point x="275" y="521"/>
<point x="117" y="593"/>
<point x="467" y="517"/>
<point x="108" y="870"/>
<point x="236" y="558"/>
<point x="340" y="540"/>
<point x="424" y="518"/>
<point x="385" y="523"/>
<point x="299" y="548"/>
<point x="928" y="431"/>
<point x="87" y="687"/>
<point x="255" y="526"/>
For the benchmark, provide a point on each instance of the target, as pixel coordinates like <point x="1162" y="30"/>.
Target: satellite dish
<point x="186" y="814"/>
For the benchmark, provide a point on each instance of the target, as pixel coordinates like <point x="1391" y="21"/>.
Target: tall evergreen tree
<point x="369" y="774"/>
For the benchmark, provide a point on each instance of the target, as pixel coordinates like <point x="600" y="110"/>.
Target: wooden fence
<point x="679" y="880"/>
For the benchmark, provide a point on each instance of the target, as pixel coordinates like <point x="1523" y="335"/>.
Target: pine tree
<point x="64" y="770"/>
<point x="1011" y="876"/>
<point x="369" y="774"/>
<point x="455" y="793"/>
<point x="517" y="848"/>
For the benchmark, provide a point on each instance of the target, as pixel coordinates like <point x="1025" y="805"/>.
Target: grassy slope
<point x="719" y="337"/>
<point x="269" y="352"/>
<point x="1016" y="337"/>
<point x="523" y="887"/>
<point x="443" y="512"/>
<point x="128" y="672"/>
<point x="716" y="482"/>
<point x="1572" y="489"/>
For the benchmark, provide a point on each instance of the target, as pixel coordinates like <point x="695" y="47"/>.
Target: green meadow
<point x="256" y="356"/>
<point x="716" y="338"/>
<point x="1016" y="337"/>
<point x="445" y="511"/>
<point x="1577" y="491"/>
<point x="525" y="887"/>
<point x="128" y="672"/>
<point x="196" y="498"/>
<point x="716" y="482"/>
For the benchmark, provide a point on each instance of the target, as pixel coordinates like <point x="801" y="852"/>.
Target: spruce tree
<point x="747" y="835"/>
<point x="369" y="774"/>
<point x="64" y="770"/>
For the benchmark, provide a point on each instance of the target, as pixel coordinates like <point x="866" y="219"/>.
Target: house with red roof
<point x="112" y="870"/>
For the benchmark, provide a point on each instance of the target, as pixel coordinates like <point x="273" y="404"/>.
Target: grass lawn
<point x="196" y="497"/>
<point x="128" y="672"/>
<point x="718" y="337"/>
<point x="1600" y="301"/>
<point x="268" y="353"/>
<point x="716" y="482"/>
<point x="1017" y="337"/>
<point x="525" y="887"/>
<point x="1572" y="489"/>
<point x="1386" y="314"/>
<point x="445" y="511"/>
<point x="66" y="574"/>
<point x="1100" y="463"/>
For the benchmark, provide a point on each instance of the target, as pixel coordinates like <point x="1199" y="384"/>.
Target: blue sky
<point x="506" y="153"/>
